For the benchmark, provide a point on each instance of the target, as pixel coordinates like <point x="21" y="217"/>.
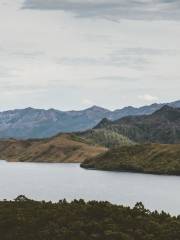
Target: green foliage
<point x="25" y="219"/>
<point x="106" y="137"/>
<point x="146" y="158"/>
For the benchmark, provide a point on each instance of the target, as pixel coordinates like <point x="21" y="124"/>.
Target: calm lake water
<point x="42" y="181"/>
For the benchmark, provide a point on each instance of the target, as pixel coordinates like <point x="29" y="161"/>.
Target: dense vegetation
<point x="24" y="219"/>
<point x="163" y="126"/>
<point x="147" y="158"/>
<point x="61" y="148"/>
<point x="105" y="137"/>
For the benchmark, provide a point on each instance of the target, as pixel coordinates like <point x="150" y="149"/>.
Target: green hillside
<point x="147" y="158"/>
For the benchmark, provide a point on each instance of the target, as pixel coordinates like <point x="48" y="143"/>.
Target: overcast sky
<point x="71" y="54"/>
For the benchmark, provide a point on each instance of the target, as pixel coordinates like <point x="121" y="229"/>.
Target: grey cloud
<point x="138" y="57"/>
<point x="6" y="72"/>
<point x="118" y="79"/>
<point x="111" y="60"/>
<point x="80" y="61"/>
<point x="114" y="10"/>
<point x="148" y="51"/>
<point x="21" y="52"/>
<point x="135" y="58"/>
<point x="27" y="54"/>
<point x="11" y="86"/>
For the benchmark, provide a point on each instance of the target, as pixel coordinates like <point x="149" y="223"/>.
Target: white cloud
<point x="148" y="98"/>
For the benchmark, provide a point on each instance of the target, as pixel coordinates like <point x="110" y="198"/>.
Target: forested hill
<point x="163" y="126"/>
<point x="25" y="219"/>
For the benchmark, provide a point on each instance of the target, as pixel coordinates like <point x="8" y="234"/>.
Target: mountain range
<point x="39" y="123"/>
<point x="160" y="127"/>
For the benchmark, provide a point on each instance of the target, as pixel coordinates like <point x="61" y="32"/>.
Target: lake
<point x="43" y="181"/>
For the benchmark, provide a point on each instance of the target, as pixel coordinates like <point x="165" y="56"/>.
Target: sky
<point x="72" y="54"/>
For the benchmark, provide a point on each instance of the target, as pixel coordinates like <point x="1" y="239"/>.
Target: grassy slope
<point x="62" y="148"/>
<point x="147" y="158"/>
<point x="105" y="137"/>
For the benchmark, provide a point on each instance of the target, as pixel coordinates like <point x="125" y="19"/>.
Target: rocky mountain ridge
<point x="40" y="123"/>
<point x="162" y="126"/>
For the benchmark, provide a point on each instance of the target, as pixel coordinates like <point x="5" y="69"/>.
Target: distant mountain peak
<point x="97" y="108"/>
<point x="94" y="107"/>
<point x="29" y="109"/>
<point x="104" y="122"/>
<point x="129" y="107"/>
<point x="165" y="109"/>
